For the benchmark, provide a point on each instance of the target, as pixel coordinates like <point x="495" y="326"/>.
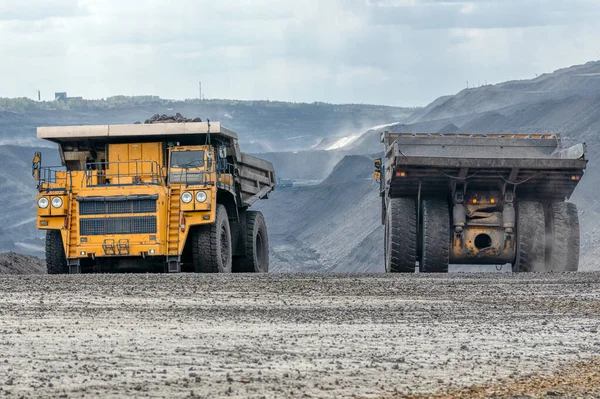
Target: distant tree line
<point x="25" y="104"/>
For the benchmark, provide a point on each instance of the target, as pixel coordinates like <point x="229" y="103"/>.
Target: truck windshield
<point x="187" y="159"/>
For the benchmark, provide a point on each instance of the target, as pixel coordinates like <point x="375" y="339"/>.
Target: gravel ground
<point x="290" y="335"/>
<point x="580" y="380"/>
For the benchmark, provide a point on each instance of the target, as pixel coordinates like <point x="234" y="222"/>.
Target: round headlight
<point x="186" y="197"/>
<point x="43" y="202"/>
<point x="57" y="202"/>
<point x="200" y="196"/>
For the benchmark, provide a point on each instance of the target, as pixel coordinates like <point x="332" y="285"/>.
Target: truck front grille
<point x="115" y="207"/>
<point x="117" y="225"/>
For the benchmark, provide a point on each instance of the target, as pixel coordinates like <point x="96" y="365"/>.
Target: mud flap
<point x="74" y="266"/>
<point x="174" y="264"/>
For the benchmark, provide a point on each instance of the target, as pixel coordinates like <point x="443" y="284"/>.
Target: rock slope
<point x="13" y="263"/>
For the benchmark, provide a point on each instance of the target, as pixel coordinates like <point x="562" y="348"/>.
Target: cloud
<point x="376" y="51"/>
<point x="483" y="14"/>
<point x="32" y="10"/>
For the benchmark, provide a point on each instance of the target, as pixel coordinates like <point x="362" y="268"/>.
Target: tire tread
<point x="56" y="260"/>
<point x="254" y="220"/>
<point x="531" y="237"/>
<point x="402" y="228"/>
<point x="436" y="237"/>
<point x="565" y="239"/>
<point x="204" y="245"/>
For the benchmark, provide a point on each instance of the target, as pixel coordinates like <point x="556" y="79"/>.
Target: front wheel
<point x="211" y="246"/>
<point x="56" y="260"/>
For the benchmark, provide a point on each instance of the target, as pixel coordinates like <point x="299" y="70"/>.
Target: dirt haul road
<point x="293" y="335"/>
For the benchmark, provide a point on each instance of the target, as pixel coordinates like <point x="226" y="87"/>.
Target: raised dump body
<point x="161" y="196"/>
<point x="479" y="199"/>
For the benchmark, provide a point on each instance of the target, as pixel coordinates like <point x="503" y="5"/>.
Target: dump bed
<point x="535" y="165"/>
<point x="256" y="178"/>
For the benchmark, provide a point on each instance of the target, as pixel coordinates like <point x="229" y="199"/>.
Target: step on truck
<point x="156" y="197"/>
<point x="479" y="199"/>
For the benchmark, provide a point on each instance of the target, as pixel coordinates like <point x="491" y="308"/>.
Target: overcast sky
<point x="397" y="52"/>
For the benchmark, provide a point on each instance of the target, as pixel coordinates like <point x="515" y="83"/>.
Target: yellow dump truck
<point x="158" y="197"/>
<point x="479" y="199"/>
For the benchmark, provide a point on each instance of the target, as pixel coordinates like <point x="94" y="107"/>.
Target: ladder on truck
<point x="71" y="250"/>
<point x="173" y="225"/>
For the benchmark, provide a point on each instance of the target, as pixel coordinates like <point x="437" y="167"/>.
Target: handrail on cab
<point x="53" y="178"/>
<point x="124" y="173"/>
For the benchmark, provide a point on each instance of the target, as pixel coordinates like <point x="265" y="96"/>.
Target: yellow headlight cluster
<point x="187" y="197"/>
<point x="56" y="202"/>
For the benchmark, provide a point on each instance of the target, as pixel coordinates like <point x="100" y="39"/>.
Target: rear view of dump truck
<point x="479" y="199"/>
<point x="156" y="197"/>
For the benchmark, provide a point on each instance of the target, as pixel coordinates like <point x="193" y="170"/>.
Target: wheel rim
<point x="224" y="247"/>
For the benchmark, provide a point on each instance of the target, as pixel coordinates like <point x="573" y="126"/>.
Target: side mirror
<point x="377" y="170"/>
<point x="209" y="160"/>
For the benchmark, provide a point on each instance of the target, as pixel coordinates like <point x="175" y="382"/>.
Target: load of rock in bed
<point x="177" y="118"/>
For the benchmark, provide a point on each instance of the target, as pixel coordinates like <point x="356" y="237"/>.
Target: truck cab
<point x="191" y="164"/>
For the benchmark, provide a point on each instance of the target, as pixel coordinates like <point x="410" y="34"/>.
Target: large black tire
<point x="211" y="245"/>
<point x="563" y="237"/>
<point x="401" y="235"/>
<point x="531" y="238"/>
<point x="257" y="245"/>
<point x="56" y="260"/>
<point x="436" y="237"/>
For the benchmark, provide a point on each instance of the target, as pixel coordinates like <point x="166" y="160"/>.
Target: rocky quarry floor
<point x="301" y="335"/>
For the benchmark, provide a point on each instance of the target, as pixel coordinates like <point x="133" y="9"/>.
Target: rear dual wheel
<point x="564" y="237"/>
<point x="212" y="247"/>
<point x="547" y="237"/>
<point x="256" y="258"/>
<point x="436" y="236"/>
<point x="531" y="237"/>
<point x="401" y="236"/>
